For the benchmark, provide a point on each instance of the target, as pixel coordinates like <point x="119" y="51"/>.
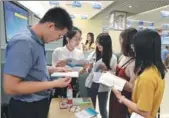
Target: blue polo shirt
<point x="25" y="58"/>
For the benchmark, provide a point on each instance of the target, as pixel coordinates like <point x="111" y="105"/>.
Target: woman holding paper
<point x="149" y="86"/>
<point x="69" y="50"/>
<point x="61" y="54"/>
<point x="104" y="60"/>
<point x="125" y="70"/>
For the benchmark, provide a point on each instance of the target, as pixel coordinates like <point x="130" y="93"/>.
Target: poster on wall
<point x="118" y="20"/>
<point x="16" y="19"/>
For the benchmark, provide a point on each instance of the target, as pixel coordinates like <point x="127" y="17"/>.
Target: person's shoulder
<point x="93" y="53"/>
<point x="58" y="49"/>
<point x="150" y="74"/>
<point x="78" y="51"/>
<point x="93" y="45"/>
<point x="165" y="50"/>
<point x="132" y="62"/>
<point x="114" y="56"/>
<point x="21" y="37"/>
<point x="122" y="57"/>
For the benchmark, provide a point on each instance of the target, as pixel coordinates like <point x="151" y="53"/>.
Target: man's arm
<point x="19" y="62"/>
<point x="52" y="69"/>
<point x="14" y="86"/>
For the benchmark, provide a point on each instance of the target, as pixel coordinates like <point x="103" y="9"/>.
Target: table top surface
<point x="56" y="112"/>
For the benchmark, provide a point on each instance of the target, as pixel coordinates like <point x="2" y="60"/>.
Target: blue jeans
<point x="102" y="99"/>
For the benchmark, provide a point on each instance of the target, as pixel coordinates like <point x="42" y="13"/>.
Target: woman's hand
<point x="61" y="63"/>
<point x="130" y="104"/>
<point x="85" y="66"/>
<point x="58" y="69"/>
<point x="90" y="66"/>
<point x="63" y="69"/>
<point x="103" y="67"/>
<point x="117" y="93"/>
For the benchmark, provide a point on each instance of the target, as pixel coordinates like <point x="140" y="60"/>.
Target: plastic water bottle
<point x="70" y="95"/>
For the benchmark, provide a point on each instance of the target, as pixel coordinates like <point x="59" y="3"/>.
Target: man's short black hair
<point x="166" y="47"/>
<point x="59" y="16"/>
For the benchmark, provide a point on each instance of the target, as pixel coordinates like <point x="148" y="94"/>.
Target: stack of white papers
<point x="65" y="74"/>
<point x="111" y="80"/>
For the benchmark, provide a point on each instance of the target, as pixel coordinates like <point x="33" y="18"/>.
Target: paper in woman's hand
<point x="112" y="80"/>
<point x="74" y="62"/>
<point x="97" y="66"/>
<point x="96" y="76"/>
<point x="76" y="68"/>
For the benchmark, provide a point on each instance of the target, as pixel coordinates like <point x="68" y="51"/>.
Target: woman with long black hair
<point x="104" y="60"/>
<point x="125" y="70"/>
<point x="150" y="72"/>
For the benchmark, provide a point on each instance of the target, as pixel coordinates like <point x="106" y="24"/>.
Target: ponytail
<point x="64" y="40"/>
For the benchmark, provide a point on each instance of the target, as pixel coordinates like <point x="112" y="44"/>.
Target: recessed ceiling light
<point x="130" y="6"/>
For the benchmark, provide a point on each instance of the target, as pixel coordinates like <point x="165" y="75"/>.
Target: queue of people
<point x="27" y="80"/>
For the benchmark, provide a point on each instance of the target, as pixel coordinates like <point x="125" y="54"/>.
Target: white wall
<point x="115" y="40"/>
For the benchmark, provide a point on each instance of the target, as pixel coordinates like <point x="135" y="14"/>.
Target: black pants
<point x="61" y="92"/>
<point x="102" y="99"/>
<point x="20" y="109"/>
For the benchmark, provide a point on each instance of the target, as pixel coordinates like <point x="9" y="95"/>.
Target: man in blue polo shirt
<point x="26" y="76"/>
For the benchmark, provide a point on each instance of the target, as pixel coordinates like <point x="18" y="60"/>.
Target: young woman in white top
<point x="125" y="70"/>
<point x="69" y="50"/>
<point x="104" y="60"/>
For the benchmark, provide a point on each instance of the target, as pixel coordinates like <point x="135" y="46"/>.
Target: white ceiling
<point x="136" y="9"/>
<point x="40" y="7"/>
<point x="147" y="10"/>
<point x="132" y="7"/>
<point x="153" y="16"/>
